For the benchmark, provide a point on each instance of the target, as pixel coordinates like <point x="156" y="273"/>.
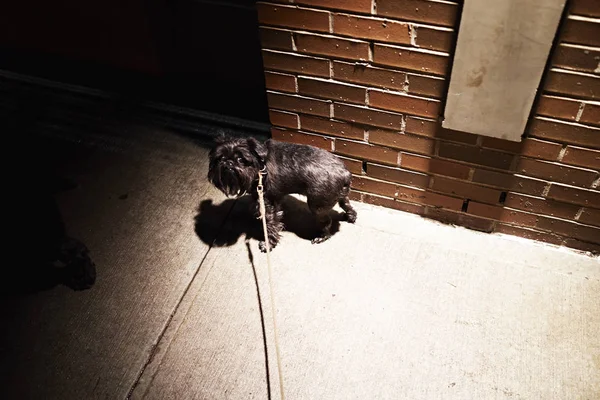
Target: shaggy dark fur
<point x="290" y="168"/>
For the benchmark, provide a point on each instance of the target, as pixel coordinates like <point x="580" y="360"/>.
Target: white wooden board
<point x="501" y="53"/>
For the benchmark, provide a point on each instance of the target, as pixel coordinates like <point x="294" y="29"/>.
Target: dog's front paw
<point x="320" y="239"/>
<point x="263" y="246"/>
<point x="351" y="216"/>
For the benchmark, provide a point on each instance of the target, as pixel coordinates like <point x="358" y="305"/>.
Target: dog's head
<point x="235" y="163"/>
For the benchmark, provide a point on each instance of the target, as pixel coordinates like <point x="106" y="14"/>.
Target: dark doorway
<point x="193" y="53"/>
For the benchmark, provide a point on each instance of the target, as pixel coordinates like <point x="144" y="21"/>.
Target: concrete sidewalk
<point x="395" y="307"/>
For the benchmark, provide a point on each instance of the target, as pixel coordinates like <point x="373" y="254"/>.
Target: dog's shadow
<point x="223" y="224"/>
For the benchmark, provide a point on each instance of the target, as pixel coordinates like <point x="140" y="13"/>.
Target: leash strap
<point x="263" y="215"/>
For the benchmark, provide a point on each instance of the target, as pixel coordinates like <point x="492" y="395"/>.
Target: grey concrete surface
<point x="395" y="307"/>
<point x="134" y="208"/>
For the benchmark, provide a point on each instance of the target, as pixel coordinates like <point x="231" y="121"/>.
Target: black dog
<point x="290" y="168"/>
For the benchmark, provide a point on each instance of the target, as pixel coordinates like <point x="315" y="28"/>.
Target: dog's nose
<point x="229" y="163"/>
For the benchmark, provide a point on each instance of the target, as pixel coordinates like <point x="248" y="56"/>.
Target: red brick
<point x="584" y="86"/>
<point x="371" y="28"/>
<point x="411" y="59"/>
<point x="557" y="107"/>
<point x="360" y="73"/>
<point x="582" y="246"/>
<point x="581" y="32"/>
<point x="302" y="138"/>
<point x="362" y="6"/>
<point x="456" y="218"/>
<point x="455" y="136"/>
<point x="444" y="216"/>
<point x="566" y="133"/>
<point x="276" y="39"/>
<point x="398" y="175"/>
<point x="527" y="147"/>
<point x="428" y="198"/>
<point x="466" y="190"/>
<point x="298" y="104"/>
<point x="515" y="183"/>
<point x="295" y="63"/>
<point x="556" y="172"/>
<point x="590" y="8"/>
<point x="434" y="166"/>
<point x="539" y="205"/>
<point x="367" y="116"/>
<point x="568" y="194"/>
<point x="582" y="157"/>
<point x="590" y="216"/>
<point x="374" y="186"/>
<point x="576" y="58"/>
<point x="477" y="223"/>
<point x="485" y="210"/>
<point x="332" y="47"/>
<point x="331" y="127"/>
<point x="293" y="17"/>
<point x="570" y="229"/>
<point x="280" y="82"/>
<point x="427" y="85"/>
<point x="516" y="217"/>
<point x="441" y="39"/>
<point x="332" y="90"/>
<point x="404" y="103"/>
<point x="438" y="13"/>
<point x="284" y="119"/>
<point x="434" y="129"/>
<point x="505" y="145"/>
<point x="394" y="204"/>
<point x="476" y="155"/>
<point x="366" y="152"/>
<point x="353" y="166"/>
<point x="424" y="127"/>
<point x="540" y="149"/>
<point x="355" y="196"/>
<point x="591" y="114"/>
<point x="402" y="141"/>
<point x="528" y="233"/>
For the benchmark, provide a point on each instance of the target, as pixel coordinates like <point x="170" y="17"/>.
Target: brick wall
<point x="366" y="79"/>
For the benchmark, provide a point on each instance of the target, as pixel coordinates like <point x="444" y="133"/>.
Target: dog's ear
<point x="257" y="148"/>
<point x="221" y="138"/>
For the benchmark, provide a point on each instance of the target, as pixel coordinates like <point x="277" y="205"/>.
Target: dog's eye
<point x="240" y="160"/>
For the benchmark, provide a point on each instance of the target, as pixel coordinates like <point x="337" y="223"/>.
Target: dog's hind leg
<point x="321" y="211"/>
<point x="344" y="203"/>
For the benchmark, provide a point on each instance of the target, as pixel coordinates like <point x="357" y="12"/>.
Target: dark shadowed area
<point x="102" y="195"/>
